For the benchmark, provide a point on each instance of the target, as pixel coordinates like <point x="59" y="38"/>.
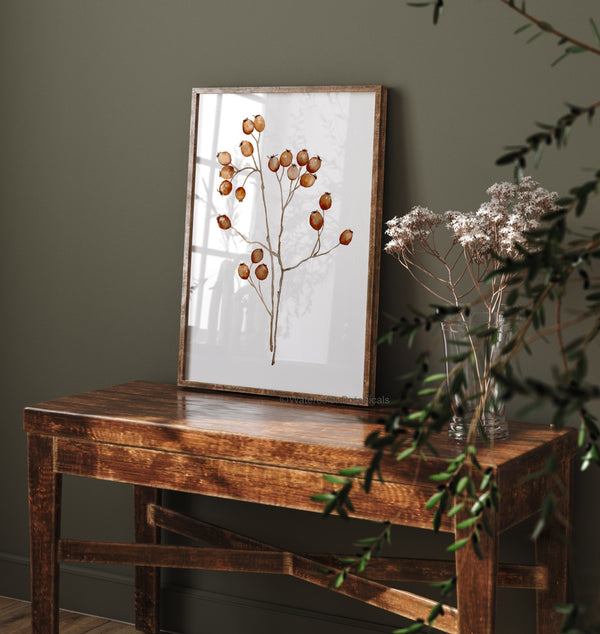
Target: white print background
<point x="321" y="332"/>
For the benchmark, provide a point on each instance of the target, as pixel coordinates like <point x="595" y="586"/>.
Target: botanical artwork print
<point x="270" y="260"/>
<point x="280" y="209"/>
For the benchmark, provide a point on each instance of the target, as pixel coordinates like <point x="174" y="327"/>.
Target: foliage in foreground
<point x="558" y="268"/>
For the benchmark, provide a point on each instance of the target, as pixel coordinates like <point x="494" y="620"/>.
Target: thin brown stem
<point x="268" y="232"/>
<point x="559" y="335"/>
<point x="544" y="26"/>
<point x="309" y="257"/>
<point x="243" y="237"/>
<point x="260" y="295"/>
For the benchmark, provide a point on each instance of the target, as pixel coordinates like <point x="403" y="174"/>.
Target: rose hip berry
<point x="256" y="256"/>
<point x="307" y="180"/>
<point x="224" y="158"/>
<point x="273" y="163"/>
<point x="293" y="172"/>
<point x="325" y="201"/>
<point x="259" y="123"/>
<point x="227" y="172"/>
<point x="261" y="272"/>
<point x="224" y="222"/>
<point x="302" y="157"/>
<point x="240" y="193"/>
<point x="346" y="236"/>
<point x="247" y="126"/>
<point x="247" y="148"/>
<point x="316" y="220"/>
<point x="225" y="188"/>
<point x="314" y="164"/>
<point x="244" y="271"/>
<point x="286" y="158"/>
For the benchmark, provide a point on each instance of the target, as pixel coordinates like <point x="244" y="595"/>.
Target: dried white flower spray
<point x="498" y="228"/>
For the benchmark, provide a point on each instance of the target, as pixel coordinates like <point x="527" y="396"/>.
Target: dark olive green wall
<point x="94" y="129"/>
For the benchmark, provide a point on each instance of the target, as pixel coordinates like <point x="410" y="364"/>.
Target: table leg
<point x="476" y="588"/>
<point x="147" y="578"/>
<point x="44" y="520"/>
<point x="551" y="550"/>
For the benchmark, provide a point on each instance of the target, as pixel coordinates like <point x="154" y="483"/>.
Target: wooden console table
<point x="272" y="452"/>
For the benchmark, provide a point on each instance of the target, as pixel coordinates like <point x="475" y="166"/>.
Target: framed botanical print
<point x="283" y="232"/>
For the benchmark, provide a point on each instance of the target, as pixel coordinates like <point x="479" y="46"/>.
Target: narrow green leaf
<point x="411" y="629"/>
<point x="475" y="463"/>
<point x="486" y="524"/>
<point x="476" y="547"/>
<point x="406" y="452"/>
<point x="518" y="171"/>
<point x="467" y="523"/>
<point x="522" y="28"/>
<point x="333" y="479"/>
<point x="590" y="114"/>
<point x="436" y="611"/>
<point x="511" y="157"/>
<point x="538" y="154"/>
<point x="535" y="36"/>
<point x="457" y="545"/>
<point x="322" y="497"/>
<point x="437" y="10"/>
<point x="347" y="560"/>
<point x="457" y="358"/>
<point x="387" y="337"/>
<point x="434" y="499"/>
<point x="366" y="541"/>
<point x="455" y="509"/>
<point x="559" y="59"/>
<point x="478" y="506"/>
<point x="581" y="435"/>
<point x="434" y="378"/>
<point x="485" y="481"/>
<point x="440" y="477"/>
<point x="418" y="416"/>
<point x="351" y="471"/>
<point x="539" y="527"/>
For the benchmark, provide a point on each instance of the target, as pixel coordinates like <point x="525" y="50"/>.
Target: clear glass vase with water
<point x="472" y="345"/>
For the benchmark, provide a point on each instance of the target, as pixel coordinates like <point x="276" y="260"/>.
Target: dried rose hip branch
<point x="298" y="174"/>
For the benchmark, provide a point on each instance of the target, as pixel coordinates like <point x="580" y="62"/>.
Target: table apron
<point x="250" y="482"/>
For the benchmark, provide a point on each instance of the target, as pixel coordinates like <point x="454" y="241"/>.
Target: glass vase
<point x="472" y="344"/>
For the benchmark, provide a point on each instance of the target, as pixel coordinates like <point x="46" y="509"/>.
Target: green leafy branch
<point x="575" y="46"/>
<point x="548" y="134"/>
<point x="557" y="133"/>
<point x="549" y="504"/>
<point x="458" y="493"/>
<point x="446" y="587"/>
<point x="542" y="275"/>
<point x="369" y="547"/>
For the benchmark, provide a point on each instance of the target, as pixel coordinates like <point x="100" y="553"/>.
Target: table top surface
<point x="255" y="428"/>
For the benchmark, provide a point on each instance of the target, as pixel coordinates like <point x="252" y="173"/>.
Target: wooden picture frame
<point x="282" y="246"/>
